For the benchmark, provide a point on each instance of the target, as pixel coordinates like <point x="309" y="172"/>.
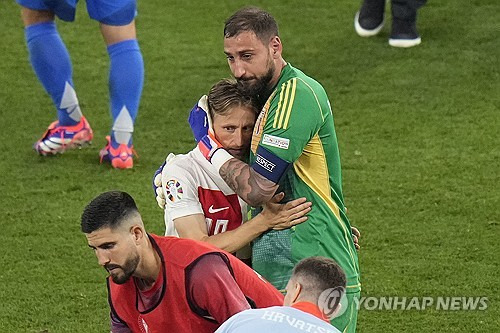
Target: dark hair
<point x="107" y="210"/>
<point x="226" y="94"/>
<point x="318" y="274"/>
<point x="252" y="19"/>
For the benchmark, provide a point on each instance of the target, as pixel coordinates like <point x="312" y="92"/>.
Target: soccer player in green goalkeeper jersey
<point x="294" y="149"/>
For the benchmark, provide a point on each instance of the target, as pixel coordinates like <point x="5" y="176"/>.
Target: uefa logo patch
<point x="173" y="190"/>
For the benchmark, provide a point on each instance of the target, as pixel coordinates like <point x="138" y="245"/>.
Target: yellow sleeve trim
<point x="285" y="104"/>
<point x="290" y="106"/>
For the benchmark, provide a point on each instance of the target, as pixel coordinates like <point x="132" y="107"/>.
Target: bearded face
<point x="121" y="273"/>
<point x="116" y="251"/>
<point x="259" y="86"/>
<point x="253" y="62"/>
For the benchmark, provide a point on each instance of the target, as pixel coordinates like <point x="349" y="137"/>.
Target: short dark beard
<point x="128" y="269"/>
<point x="260" y="89"/>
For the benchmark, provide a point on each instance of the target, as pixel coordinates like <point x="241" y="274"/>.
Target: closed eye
<point x="107" y="246"/>
<point x="104" y="246"/>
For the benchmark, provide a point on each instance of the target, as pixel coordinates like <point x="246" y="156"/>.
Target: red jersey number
<point x="222" y="212"/>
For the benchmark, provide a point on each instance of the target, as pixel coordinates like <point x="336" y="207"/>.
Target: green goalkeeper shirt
<point x="296" y="126"/>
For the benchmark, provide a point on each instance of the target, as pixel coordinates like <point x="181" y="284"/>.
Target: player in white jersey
<point x="315" y="294"/>
<point x="199" y="204"/>
<point x="192" y="187"/>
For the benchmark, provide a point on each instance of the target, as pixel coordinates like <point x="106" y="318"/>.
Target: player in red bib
<point x="166" y="284"/>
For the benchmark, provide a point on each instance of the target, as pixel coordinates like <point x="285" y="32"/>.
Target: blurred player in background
<point x="51" y="62"/>
<point x="166" y="284"/>
<point x="294" y="149"/>
<point x="199" y="204"/>
<point x="370" y="19"/>
<point x="313" y="297"/>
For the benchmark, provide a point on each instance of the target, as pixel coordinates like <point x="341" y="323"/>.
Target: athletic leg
<point x="126" y="77"/>
<point x="51" y="62"/>
<point x="369" y="20"/>
<point x="404" y="23"/>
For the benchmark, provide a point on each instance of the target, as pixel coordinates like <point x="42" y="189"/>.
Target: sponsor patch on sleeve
<point x="173" y="190"/>
<point x="275" y="141"/>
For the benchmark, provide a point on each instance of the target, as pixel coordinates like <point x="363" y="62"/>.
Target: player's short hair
<point x="252" y="19"/>
<point x="317" y="274"/>
<point x="227" y="94"/>
<point x="107" y="210"/>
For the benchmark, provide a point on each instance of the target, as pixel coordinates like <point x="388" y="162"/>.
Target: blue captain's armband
<point x="269" y="165"/>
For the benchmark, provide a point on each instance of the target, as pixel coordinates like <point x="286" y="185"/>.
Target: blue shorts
<point x="111" y="12"/>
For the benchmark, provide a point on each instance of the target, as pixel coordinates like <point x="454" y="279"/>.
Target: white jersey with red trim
<point x="193" y="186"/>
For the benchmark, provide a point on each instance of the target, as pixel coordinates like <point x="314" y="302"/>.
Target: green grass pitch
<point x="419" y="135"/>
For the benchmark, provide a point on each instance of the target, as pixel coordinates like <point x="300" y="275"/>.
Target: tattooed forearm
<point x="261" y="190"/>
<point x="230" y="171"/>
<point x="249" y="185"/>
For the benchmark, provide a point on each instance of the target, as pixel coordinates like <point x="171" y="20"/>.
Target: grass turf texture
<point x="418" y="131"/>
